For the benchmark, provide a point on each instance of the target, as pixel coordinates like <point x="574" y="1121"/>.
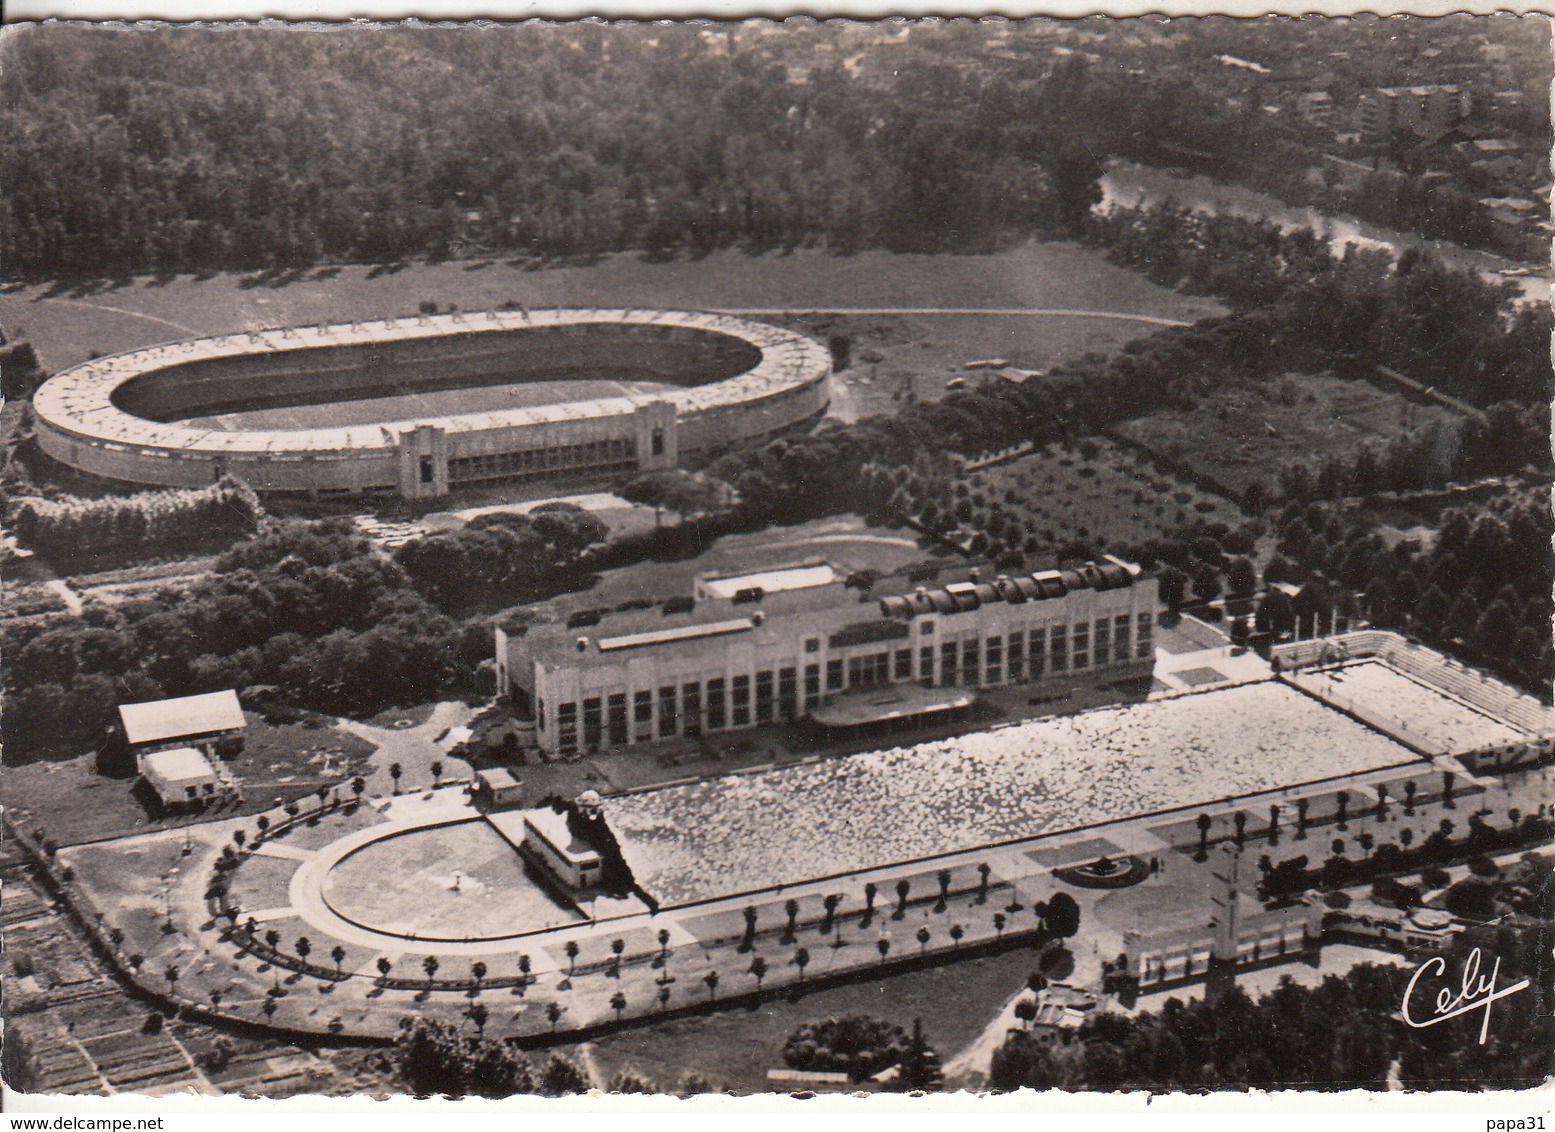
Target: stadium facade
<point x="143" y="417"/>
<point x="799" y="642"/>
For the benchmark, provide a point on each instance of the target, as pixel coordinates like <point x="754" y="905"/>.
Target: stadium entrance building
<point x="797" y="641"/>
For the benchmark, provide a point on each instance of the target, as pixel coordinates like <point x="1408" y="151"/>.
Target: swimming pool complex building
<point x="676" y="382"/>
<point x="796" y="641"/>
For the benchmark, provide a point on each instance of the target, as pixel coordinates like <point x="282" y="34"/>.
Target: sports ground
<point x="428" y="405"/>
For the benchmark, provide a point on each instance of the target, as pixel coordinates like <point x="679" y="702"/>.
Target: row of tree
<point x="92" y="532"/>
<point x="1298" y="874"/>
<point x="1480" y="590"/>
<point x="1340" y="1034"/>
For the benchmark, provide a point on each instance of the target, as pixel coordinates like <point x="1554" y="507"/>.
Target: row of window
<point x="740" y="701"/>
<point x="600" y="455"/>
<point x="682" y="709"/>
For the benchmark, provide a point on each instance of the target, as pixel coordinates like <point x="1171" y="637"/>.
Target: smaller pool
<point x="450" y="882"/>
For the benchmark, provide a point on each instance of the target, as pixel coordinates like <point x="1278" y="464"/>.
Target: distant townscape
<point x="790" y="557"/>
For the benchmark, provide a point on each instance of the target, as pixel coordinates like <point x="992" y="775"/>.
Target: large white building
<point x="797" y="641"/>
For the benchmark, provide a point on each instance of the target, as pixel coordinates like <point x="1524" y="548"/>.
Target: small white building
<point x="182" y="776"/>
<point x="550" y="842"/>
<point x="497" y="789"/>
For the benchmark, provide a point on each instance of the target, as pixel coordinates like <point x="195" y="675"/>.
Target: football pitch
<point x="426" y="406"/>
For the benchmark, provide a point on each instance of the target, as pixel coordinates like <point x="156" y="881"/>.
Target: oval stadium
<point x="422" y="405"/>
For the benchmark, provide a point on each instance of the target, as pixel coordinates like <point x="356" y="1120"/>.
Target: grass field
<point x="733" y="1049"/>
<point x="897" y="355"/>
<point x="66" y="325"/>
<point x="420" y="406"/>
<point x="1242" y="436"/>
<point x="75" y="803"/>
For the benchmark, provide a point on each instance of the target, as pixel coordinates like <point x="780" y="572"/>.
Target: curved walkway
<point x="1035" y="312"/>
<point x="180" y="327"/>
<point x="306" y="890"/>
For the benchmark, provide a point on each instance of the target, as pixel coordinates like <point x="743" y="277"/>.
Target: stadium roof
<point x="80" y="399"/>
<point x="160" y="720"/>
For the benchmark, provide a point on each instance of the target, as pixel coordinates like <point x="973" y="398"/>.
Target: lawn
<point x="1237" y="437"/>
<point x="919" y="353"/>
<point x="733" y="1049"/>
<point x="1097" y="493"/>
<point x="302" y="755"/>
<point x="75" y="803"/>
<point x="65" y="324"/>
<point x="263" y="882"/>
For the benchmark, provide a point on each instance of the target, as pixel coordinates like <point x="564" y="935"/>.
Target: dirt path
<point x="66" y="595"/>
<point x="180" y="327"/>
<point x="1017" y="312"/>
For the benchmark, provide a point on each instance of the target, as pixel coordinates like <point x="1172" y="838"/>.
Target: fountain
<point x="1105" y="872"/>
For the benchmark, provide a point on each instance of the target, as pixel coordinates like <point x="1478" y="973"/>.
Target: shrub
<point x="1435" y="877"/>
<point x="856" y="1045"/>
<point x="1472" y="898"/>
<point x="1386" y="890"/>
<point x="1482" y="866"/>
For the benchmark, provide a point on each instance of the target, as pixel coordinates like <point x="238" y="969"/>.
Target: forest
<point x="199" y="150"/>
<point x="229" y="151"/>
<point x="310" y="608"/>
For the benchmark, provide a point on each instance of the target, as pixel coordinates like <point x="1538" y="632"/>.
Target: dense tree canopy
<point x="1340" y="1034"/>
<point x="193" y="149"/>
<point x="310" y="608"/>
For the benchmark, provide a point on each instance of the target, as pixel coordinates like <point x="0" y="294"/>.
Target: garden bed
<point x="1240" y="436"/>
<point x="1080" y="500"/>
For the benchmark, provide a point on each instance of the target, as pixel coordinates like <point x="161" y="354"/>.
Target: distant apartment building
<point x="1316" y="108"/>
<point x="1494" y="157"/>
<point x="1425" y="111"/>
<point x="798" y="642"/>
<point x="1511" y="214"/>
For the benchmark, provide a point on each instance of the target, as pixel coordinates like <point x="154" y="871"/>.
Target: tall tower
<point x="1226" y="896"/>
